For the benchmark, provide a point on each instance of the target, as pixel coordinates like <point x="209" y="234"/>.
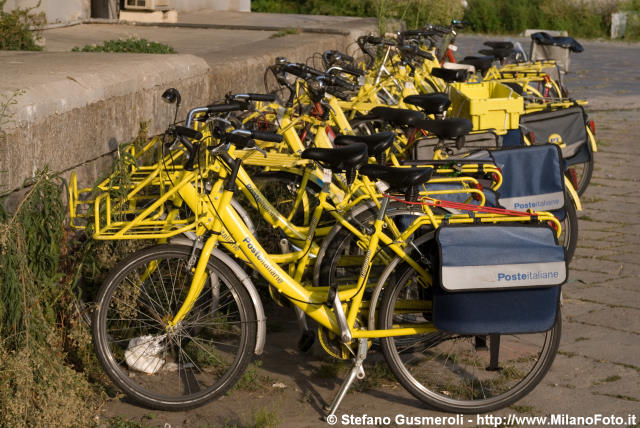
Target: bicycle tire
<point x="581" y="175"/>
<point x="198" y="360"/>
<point x="449" y="372"/>
<point x="569" y="235"/>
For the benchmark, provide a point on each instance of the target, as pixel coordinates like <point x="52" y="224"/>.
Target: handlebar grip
<point x="373" y="40"/>
<point x="255" y="97"/>
<point x="337" y="81"/>
<point x="230" y="185"/>
<point x="183" y="131"/>
<point x="224" y="108"/>
<point x="441" y="29"/>
<point x="267" y="136"/>
<point x="424" y="54"/>
<point x="192" y="150"/>
<point x="344" y="57"/>
<point x="333" y="55"/>
<point x="412" y="33"/>
<point x="241" y="138"/>
<point x="351" y="69"/>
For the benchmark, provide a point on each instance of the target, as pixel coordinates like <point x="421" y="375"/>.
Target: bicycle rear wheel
<point x="456" y="373"/>
<point x="580" y="174"/>
<point x="179" y="368"/>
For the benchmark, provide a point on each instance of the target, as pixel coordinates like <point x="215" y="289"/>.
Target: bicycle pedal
<point x="306" y="341"/>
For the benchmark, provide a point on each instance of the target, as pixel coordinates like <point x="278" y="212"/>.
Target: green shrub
<point x="130" y="45"/>
<point x="15" y="28"/>
<point x="578" y="18"/>
<point x="632" y="30"/>
<point x="43" y="342"/>
<point x="415" y="13"/>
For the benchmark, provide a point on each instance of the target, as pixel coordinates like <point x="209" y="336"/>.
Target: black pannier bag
<point x="497" y="279"/>
<point x="565" y="127"/>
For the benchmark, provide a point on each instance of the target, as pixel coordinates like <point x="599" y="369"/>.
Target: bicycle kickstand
<point x="357" y="371"/>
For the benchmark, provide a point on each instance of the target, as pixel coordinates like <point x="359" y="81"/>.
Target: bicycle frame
<point x="309" y="301"/>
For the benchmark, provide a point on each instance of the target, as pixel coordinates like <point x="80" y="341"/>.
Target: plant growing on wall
<point x="19" y="28"/>
<point x="130" y="45"/>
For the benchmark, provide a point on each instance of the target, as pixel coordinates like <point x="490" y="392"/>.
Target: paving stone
<point x="587" y="277"/>
<point x="627" y="258"/>
<point x="593" y="253"/>
<point x="629" y="283"/>
<point x="606" y="229"/>
<point x="597" y="265"/>
<point x="604" y="343"/>
<point x="605" y="294"/>
<point x="572" y="308"/>
<point x="626" y="387"/>
<point x="615" y="206"/>
<point x="552" y="398"/>
<point x="585" y="373"/>
<point x="624" y="319"/>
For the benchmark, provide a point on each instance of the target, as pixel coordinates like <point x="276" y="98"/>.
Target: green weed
<point x="16" y="28"/>
<point x="251" y="380"/>
<point x="285" y="32"/>
<point x="119" y="422"/>
<point x="130" y="45"/>
<point x="328" y="371"/>
<point x="415" y="13"/>
<point x="579" y="19"/>
<point x="44" y="344"/>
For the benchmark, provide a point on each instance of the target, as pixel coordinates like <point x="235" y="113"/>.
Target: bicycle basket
<point x="489" y="105"/>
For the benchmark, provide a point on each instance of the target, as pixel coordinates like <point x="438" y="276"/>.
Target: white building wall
<point x="56" y="10"/>
<point x="73" y="10"/>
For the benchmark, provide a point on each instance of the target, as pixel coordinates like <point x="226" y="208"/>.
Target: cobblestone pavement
<point x="597" y="370"/>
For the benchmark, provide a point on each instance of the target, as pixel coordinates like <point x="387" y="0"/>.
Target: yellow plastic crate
<point x="489" y="105"/>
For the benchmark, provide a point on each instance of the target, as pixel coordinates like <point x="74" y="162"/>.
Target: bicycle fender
<point x="592" y="140"/>
<point x="572" y="193"/>
<point x="261" y="333"/>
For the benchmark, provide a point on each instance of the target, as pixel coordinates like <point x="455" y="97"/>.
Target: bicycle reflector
<point x="592" y="126"/>
<point x="532" y="137"/>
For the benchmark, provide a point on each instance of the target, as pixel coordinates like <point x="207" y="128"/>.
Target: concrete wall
<point x="73" y="117"/>
<point x="56" y="10"/>
<point x="73" y="122"/>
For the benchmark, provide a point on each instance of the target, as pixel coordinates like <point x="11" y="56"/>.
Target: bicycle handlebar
<point x="331" y="55"/>
<point x="183" y="131"/>
<point x="252" y="97"/>
<point x="337" y="81"/>
<point x="224" y="108"/>
<point x="415" y="51"/>
<point x="243" y="137"/>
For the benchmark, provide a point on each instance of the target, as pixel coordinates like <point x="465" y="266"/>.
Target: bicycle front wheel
<point x="456" y="373"/>
<point x="184" y="366"/>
